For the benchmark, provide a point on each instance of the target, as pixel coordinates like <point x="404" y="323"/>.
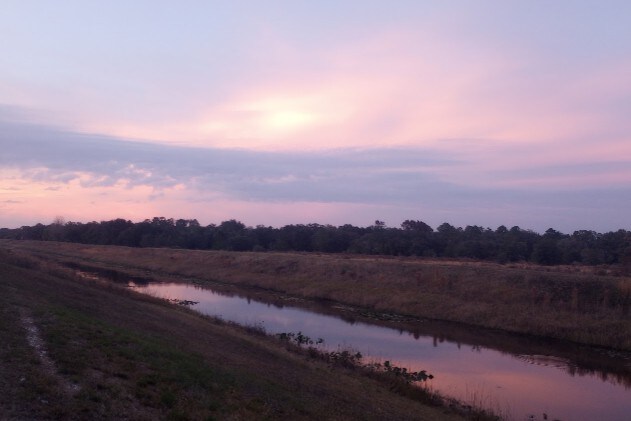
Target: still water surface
<point x="514" y="376"/>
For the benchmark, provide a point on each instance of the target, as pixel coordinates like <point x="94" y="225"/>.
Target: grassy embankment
<point x="72" y="349"/>
<point x="581" y="304"/>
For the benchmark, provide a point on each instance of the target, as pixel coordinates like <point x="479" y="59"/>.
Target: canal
<point x="521" y="377"/>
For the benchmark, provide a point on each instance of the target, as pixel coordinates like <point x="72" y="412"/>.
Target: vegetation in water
<point x="349" y="358"/>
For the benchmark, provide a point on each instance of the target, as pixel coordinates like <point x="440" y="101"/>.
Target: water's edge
<point x="502" y="370"/>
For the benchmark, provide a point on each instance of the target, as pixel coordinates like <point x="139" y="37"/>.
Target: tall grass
<point x="587" y="305"/>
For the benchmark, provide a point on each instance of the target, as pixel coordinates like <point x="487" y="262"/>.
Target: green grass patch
<point x="112" y="364"/>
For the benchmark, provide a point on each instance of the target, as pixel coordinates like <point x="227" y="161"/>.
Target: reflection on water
<point x="521" y="377"/>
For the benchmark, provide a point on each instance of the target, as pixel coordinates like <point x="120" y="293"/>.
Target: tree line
<point x="412" y="238"/>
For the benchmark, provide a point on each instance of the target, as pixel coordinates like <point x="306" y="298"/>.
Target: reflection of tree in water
<point x="607" y="365"/>
<point x="617" y="379"/>
<point x="437" y="339"/>
<point x="476" y="339"/>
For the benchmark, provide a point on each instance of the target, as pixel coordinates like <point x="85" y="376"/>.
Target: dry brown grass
<point x="136" y="357"/>
<point x="575" y="303"/>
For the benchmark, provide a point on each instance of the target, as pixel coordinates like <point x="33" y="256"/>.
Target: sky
<point x="284" y="112"/>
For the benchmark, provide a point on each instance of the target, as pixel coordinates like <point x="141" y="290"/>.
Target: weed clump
<point x="351" y="359"/>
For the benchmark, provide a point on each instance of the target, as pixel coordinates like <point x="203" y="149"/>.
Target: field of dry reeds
<point x="580" y="304"/>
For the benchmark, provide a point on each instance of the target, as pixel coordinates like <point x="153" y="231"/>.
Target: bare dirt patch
<point x="36" y="342"/>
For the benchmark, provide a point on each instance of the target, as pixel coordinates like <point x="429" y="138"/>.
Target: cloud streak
<point x="406" y="179"/>
<point x="43" y="153"/>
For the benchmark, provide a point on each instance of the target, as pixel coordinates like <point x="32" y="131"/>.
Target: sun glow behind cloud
<point x="366" y="93"/>
<point x="402" y="97"/>
<point x="271" y="119"/>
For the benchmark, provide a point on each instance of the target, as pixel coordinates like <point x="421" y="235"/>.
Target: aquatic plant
<point x="353" y="359"/>
<point x="299" y="338"/>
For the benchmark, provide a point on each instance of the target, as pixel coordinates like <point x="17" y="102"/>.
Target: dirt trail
<point x="35" y="340"/>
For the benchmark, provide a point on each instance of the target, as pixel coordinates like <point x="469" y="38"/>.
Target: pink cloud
<point x="495" y="109"/>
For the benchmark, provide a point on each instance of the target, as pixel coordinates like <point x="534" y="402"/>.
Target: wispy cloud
<point x="45" y="154"/>
<point x="400" y="179"/>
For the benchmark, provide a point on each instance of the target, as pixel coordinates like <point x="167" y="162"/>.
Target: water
<point x="522" y="378"/>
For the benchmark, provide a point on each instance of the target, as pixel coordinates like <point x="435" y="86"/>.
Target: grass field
<point x="72" y="349"/>
<point x="581" y="304"/>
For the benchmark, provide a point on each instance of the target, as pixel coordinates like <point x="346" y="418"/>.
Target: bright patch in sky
<point x="267" y="121"/>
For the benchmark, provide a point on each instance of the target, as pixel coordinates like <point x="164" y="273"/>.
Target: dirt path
<point x="34" y="339"/>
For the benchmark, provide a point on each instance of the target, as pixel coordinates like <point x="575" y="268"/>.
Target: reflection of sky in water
<point x="487" y="376"/>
